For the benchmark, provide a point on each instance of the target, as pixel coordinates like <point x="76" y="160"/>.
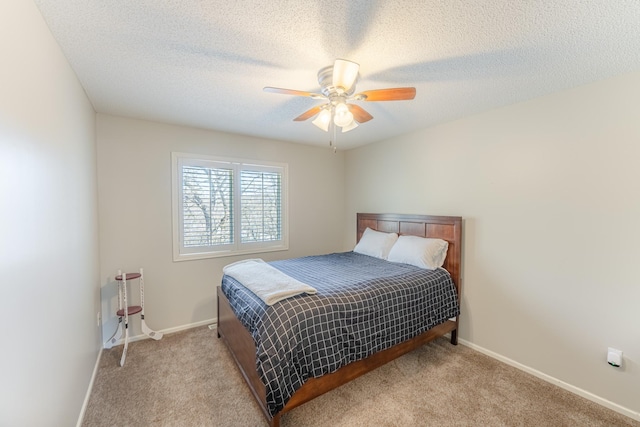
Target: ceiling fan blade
<point x="308" y="114"/>
<point x="394" y="94"/>
<point x="359" y="114"/>
<point x="293" y="92"/>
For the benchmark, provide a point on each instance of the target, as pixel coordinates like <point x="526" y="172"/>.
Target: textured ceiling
<point x="204" y="63"/>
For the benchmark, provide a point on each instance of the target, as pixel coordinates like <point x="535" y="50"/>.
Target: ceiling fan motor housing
<point x="325" y="79"/>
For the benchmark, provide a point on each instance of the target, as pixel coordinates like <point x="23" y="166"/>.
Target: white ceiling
<point x="204" y="63"/>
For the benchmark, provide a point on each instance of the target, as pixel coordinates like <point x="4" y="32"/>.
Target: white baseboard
<point x="89" y="389"/>
<point x="168" y="331"/>
<point x="573" y="389"/>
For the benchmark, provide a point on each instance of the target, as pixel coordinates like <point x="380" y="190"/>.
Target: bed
<point x="243" y="345"/>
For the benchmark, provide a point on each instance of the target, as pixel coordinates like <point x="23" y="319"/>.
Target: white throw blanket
<point x="267" y="282"/>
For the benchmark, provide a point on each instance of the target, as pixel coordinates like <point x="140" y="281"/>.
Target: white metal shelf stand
<point x="123" y="314"/>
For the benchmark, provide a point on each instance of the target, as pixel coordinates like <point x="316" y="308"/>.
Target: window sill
<point x="222" y="254"/>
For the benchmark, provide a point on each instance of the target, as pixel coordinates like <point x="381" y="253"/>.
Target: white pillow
<point x="419" y="251"/>
<point x="375" y="243"/>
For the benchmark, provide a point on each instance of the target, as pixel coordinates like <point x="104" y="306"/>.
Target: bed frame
<point x="243" y="349"/>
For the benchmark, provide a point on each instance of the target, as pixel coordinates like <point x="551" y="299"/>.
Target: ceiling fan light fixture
<point x="323" y="120"/>
<point x="342" y="116"/>
<point x="345" y="74"/>
<point x="350" y="126"/>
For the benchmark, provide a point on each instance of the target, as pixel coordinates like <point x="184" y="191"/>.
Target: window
<point x="227" y="207"/>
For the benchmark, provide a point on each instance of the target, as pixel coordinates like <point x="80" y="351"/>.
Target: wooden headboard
<point x="448" y="228"/>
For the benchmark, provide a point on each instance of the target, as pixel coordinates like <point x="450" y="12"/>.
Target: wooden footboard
<point x="243" y="348"/>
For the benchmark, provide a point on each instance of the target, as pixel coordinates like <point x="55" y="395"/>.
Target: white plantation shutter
<point x="207" y="206"/>
<point x="227" y="207"/>
<point x="260" y="197"/>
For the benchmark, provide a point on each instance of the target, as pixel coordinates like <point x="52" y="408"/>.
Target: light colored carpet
<point x="189" y="379"/>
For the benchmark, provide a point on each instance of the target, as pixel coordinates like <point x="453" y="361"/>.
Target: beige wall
<point x="134" y="180"/>
<point x="550" y="194"/>
<point x="48" y="227"/>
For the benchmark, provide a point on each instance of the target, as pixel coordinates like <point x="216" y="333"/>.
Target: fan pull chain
<point x="332" y="139"/>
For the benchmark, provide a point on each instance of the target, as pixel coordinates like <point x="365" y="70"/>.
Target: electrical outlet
<point x="98" y="319"/>
<point x="614" y="357"/>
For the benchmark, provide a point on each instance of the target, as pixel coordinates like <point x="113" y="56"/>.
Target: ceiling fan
<point x="337" y="87"/>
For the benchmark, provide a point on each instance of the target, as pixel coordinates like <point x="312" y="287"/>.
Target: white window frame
<point x="181" y="253"/>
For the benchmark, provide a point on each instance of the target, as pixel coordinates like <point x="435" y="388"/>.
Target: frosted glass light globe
<point x="342" y="116"/>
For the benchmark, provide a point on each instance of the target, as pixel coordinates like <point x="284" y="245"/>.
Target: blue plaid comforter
<point x="363" y="305"/>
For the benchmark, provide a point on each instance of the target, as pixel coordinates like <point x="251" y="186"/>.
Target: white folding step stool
<point x="130" y="310"/>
